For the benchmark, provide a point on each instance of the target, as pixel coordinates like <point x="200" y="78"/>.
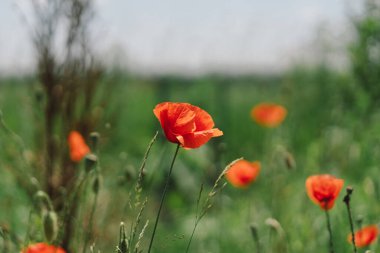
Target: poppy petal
<point x="181" y="118"/>
<point x="203" y="120"/>
<point x="242" y="173"/>
<point x="185" y="124"/>
<point x="197" y="139"/>
<point x="323" y="189"/>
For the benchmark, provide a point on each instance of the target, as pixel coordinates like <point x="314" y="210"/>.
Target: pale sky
<point x="195" y="36"/>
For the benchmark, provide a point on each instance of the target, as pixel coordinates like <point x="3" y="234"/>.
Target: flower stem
<point x="346" y="200"/>
<point x="163" y="198"/>
<point x="91" y="223"/>
<point x="331" y="246"/>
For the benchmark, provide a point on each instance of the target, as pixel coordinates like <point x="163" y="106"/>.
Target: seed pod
<point x="42" y="202"/>
<point x="123" y="242"/>
<point x="96" y="183"/>
<point x="290" y="161"/>
<point x="90" y="162"/>
<point x="50" y="223"/>
<point x="94" y="136"/>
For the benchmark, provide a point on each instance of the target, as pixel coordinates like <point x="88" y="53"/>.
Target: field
<point x="332" y="127"/>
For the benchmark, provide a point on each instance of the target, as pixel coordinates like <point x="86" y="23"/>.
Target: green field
<point x="332" y="127"/>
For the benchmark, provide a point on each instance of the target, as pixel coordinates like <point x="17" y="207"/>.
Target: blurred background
<point x="103" y="66"/>
<point x="198" y="37"/>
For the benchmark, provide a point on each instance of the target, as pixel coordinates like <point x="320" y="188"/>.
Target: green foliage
<point x="365" y="52"/>
<point x="324" y="132"/>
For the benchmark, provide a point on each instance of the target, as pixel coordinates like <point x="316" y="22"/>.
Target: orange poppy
<point x="42" y="248"/>
<point x="365" y="236"/>
<point x="242" y="173"/>
<point x="77" y="146"/>
<point x="323" y="189"/>
<point x="268" y="114"/>
<point x="186" y="124"/>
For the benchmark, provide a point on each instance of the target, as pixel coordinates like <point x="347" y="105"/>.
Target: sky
<point x="196" y="36"/>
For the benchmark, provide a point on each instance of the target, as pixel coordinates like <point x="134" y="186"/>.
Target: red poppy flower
<point x="77" y="146"/>
<point x="186" y="124"/>
<point x="42" y="248"/>
<point x="323" y="189"/>
<point x="268" y="114"/>
<point x="365" y="236"/>
<point x="242" y="173"/>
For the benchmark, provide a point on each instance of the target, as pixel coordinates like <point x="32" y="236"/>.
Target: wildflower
<point x="78" y="147"/>
<point x="323" y="189"/>
<point x="365" y="236"/>
<point x="268" y="114"/>
<point x="42" y="248"/>
<point x="242" y="173"/>
<point x="186" y="124"/>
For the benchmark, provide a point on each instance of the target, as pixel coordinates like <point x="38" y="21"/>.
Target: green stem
<point x="192" y="235"/>
<point x="197" y="218"/>
<point x="352" y="227"/>
<point x="255" y="236"/>
<point x="70" y="210"/>
<point x="331" y="246"/>
<point x="163" y="198"/>
<point x="91" y="223"/>
<point x="346" y="200"/>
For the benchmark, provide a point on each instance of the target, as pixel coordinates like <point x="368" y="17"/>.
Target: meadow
<point x="332" y="127"/>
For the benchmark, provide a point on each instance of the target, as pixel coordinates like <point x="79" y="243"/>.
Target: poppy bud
<point x="42" y="202"/>
<point x="275" y="225"/>
<point x="50" y="224"/>
<point x="94" y="137"/>
<point x="90" y="162"/>
<point x="349" y="190"/>
<point x="255" y="236"/>
<point x="34" y="182"/>
<point x="289" y="161"/>
<point x="123" y="243"/>
<point x="96" y="184"/>
<point x="254" y="231"/>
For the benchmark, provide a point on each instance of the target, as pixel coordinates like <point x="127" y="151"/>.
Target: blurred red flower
<point x="186" y="124"/>
<point x="365" y="236"/>
<point x="268" y="114"/>
<point x="323" y="189"/>
<point x="77" y="146"/>
<point x="42" y="248"/>
<point x="242" y="173"/>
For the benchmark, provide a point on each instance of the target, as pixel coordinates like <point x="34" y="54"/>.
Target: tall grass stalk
<point x="71" y="205"/>
<point x="88" y="232"/>
<point x="163" y="198"/>
<point x="255" y="236"/>
<point x="138" y="187"/>
<point x="208" y="202"/>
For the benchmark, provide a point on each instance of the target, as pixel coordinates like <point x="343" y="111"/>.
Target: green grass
<point x="325" y="132"/>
